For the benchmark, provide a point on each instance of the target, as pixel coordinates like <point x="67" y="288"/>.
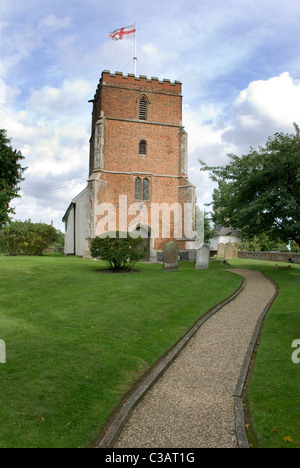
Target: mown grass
<point x="274" y="392"/>
<point x="77" y="340"/>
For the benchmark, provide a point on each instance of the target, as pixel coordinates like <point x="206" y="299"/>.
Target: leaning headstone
<point x="202" y="260"/>
<point x="170" y="256"/>
<point x="231" y="251"/>
<point x="221" y="250"/>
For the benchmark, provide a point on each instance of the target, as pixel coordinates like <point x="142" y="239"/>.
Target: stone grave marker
<point x="221" y="250"/>
<point x="231" y="251"/>
<point x="170" y="256"/>
<point x="202" y="259"/>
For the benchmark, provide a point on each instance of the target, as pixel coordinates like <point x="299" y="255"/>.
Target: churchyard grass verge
<point x="77" y="340"/>
<point x="273" y="396"/>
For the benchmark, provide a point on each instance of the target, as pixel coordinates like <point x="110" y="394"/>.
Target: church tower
<point x="138" y="166"/>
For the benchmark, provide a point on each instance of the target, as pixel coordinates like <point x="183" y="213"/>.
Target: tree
<point x="10" y="176"/>
<point x="26" y="238"/>
<point x="260" y="192"/>
<point x="59" y="242"/>
<point x="261" y="244"/>
<point x="120" y="252"/>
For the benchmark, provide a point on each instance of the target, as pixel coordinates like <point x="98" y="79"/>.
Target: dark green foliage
<point x="120" y="252"/>
<point x="262" y="244"/>
<point x="59" y="243"/>
<point x="260" y="192"/>
<point x="295" y="247"/>
<point x="10" y="176"/>
<point x="26" y="238"/>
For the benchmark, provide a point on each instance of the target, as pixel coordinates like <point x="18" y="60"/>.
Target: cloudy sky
<point x="238" y="61"/>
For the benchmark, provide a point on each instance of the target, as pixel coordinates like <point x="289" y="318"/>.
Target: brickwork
<point x="115" y="159"/>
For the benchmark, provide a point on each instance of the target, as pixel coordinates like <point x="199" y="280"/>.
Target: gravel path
<point x="192" y="404"/>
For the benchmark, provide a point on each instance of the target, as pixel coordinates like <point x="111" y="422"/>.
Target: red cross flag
<point x="123" y="33"/>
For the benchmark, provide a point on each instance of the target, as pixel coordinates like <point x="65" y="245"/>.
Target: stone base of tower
<point x="157" y="256"/>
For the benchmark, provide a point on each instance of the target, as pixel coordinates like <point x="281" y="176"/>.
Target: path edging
<point x="238" y="393"/>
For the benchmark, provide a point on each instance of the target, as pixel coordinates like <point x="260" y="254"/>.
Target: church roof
<point x="226" y="231"/>
<point x="73" y="203"/>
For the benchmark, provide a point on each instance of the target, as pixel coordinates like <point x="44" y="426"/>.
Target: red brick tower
<point x="138" y="150"/>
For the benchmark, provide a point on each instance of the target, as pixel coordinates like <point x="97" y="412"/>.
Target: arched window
<point x="143" y="147"/>
<point x="137" y="189"/>
<point x="146" y="189"/>
<point x="143" y="109"/>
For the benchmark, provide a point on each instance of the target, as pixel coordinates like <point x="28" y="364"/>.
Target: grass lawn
<point x="77" y="340"/>
<point x="274" y="392"/>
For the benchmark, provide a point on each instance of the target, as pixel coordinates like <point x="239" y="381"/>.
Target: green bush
<point x="120" y="251"/>
<point x="295" y="247"/>
<point x="26" y="238"/>
<point x="262" y="243"/>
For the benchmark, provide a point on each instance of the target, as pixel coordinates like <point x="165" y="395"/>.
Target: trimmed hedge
<point x="119" y="250"/>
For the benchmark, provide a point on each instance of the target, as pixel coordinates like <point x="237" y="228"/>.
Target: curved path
<point x="192" y="403"/>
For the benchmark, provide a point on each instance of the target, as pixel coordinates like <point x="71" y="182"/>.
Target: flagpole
<point x="135" y="57"/>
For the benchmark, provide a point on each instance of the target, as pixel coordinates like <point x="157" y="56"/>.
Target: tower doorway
<point x="145" y="233"/>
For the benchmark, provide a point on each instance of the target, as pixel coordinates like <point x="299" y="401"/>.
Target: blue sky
<point x="238" y="61"/>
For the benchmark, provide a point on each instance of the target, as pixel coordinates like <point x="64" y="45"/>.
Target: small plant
<point x="120" y="252"/>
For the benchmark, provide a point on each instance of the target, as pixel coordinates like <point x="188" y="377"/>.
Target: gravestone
<point x="170" y="256"/>
<point x="202" y="259"/>
<point x="221" y="250"/>
<point x="231" y="251"/>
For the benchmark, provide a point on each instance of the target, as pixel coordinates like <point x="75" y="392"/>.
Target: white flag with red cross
<point x="123" y="33"/>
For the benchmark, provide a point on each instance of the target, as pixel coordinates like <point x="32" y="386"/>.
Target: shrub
<point x="120" y="252"/>
<point x="26" y="238"/>
<point x="262" y="243"/>
<point x="295" y="247"/>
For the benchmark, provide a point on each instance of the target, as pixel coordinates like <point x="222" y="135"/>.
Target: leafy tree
<point x="294" y="247"/>
<point x="59" y="242"/>
<point x="261" y="244"/>
<point x="120" y="252"/>
<point x="10" y="176"/>
<point x="260" y="192"/>
<point x="26" y="238"/>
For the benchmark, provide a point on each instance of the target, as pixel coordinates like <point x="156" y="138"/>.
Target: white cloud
<point x="277" y="99"/>
<point x="53" y="135"/>
<point x="51" y="102"/>
<point x="155" y="57"/>
<point x="262" y="109"/>
<point x="16" y="126"/>
<point x="204" y="125"/>
<point x="52" y="23"/>
<point x="2" y="92"/>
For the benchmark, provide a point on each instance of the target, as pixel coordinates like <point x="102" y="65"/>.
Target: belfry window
<point x="143" y="147"/>
<point x="137" y="189"/>
<point x="143" y="109"/>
